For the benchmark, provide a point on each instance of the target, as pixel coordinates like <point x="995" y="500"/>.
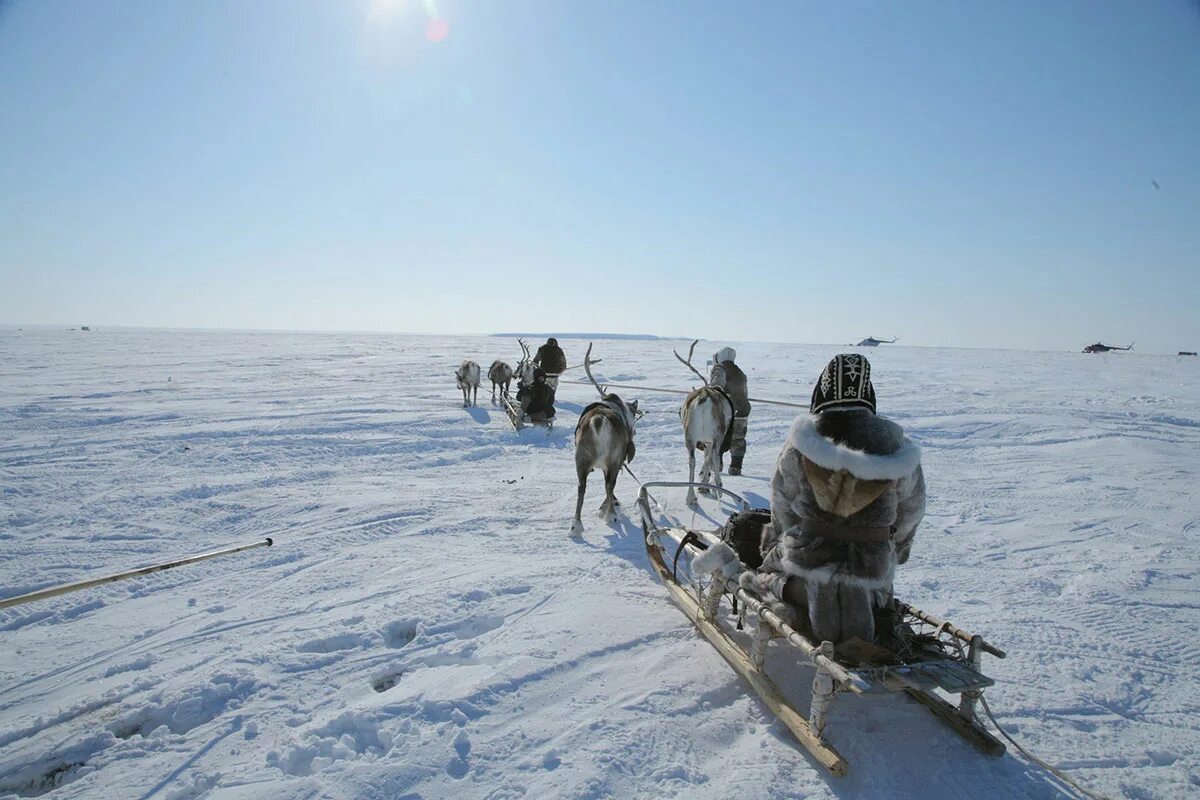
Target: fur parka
<point x="841" y="469"/>
<point x="551" y="359"/>
<point x="729" y="376"/>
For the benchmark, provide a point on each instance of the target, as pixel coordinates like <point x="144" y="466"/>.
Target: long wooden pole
<point x="953" y="630"/>
<point x="685" y="391"/>
<point x="66" y="588"/>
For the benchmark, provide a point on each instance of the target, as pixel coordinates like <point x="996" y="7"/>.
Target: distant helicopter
<point x="871" y="341"/>
<point x="1104" y="348"/>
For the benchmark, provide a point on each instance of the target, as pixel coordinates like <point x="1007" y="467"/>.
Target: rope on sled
<point x="1055" y="771"/>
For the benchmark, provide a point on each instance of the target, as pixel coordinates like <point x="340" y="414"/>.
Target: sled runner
<point x="924" y="653"/>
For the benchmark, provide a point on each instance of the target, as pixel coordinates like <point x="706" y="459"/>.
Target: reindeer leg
<point x="691" y="495"/>
<point x="610" y="493"/>
<point x="715" y="467"/>
<point x="577" y="525"/>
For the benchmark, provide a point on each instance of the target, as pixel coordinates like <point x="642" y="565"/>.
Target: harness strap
<point x="858" y="534"/>
<point x="688" y="538"/>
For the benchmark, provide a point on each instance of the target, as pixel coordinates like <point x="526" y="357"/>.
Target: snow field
<point x="426" y="627"/>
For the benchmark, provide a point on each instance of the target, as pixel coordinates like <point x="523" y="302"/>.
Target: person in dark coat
<point x="537" y="398"/>
<point x="552" y="360"/>
<point x="846" y="500"/>
<point x="729" y="377"/>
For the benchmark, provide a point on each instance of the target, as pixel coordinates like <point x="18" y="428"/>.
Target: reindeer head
<point x="524" y="369"/>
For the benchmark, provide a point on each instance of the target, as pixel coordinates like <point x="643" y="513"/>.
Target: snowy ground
<point x="425" y="627"/>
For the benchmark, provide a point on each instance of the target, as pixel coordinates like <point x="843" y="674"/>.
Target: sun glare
<point x="384" y="11"/>
<point x="383" y="14"/>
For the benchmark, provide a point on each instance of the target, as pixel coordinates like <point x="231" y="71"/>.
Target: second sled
<point x="934" y="656"/>
<point x="519" y="420"/>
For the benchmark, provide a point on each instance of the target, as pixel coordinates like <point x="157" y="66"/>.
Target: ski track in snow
<point x="425" y="627"/>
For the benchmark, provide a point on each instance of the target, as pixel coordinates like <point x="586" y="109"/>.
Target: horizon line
<point x="613" y="335"/>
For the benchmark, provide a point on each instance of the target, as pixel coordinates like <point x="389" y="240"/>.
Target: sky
<point x="975" y="174"/>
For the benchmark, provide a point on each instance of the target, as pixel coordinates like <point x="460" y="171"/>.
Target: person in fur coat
<point x="846" y="499"/>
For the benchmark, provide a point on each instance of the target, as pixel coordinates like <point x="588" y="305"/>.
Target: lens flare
<point x="436" y="30"/>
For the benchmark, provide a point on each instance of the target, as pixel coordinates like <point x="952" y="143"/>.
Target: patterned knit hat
<point x="845" y="383"/>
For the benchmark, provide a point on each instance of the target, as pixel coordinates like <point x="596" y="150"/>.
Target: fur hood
<point x="869" y="447"/>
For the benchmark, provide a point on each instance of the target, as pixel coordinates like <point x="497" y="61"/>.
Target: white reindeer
<point x="524" y="370"/>
<point x="603" y="440"/>
<point x="500" y="374"/>
<point x="706" y="415"/>
<point x="467" y="375"/>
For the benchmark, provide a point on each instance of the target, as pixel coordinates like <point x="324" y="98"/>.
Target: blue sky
<point x="956" y="173"/>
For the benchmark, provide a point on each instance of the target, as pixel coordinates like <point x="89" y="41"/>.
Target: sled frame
<point x="517" y="419"/>
<point x="831" y="676"/>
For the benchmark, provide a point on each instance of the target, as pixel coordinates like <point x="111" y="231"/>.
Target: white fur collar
<point x="864" y="466"/>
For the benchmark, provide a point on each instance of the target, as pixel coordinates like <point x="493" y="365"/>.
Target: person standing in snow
<point x="846" y="499"/>
<point x="728" y="377"/>
<point x="552" y="360"/>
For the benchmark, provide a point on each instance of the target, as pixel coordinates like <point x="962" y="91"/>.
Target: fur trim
<point x="837" y="574"/>
<point x="864" y="466"/>
<point x="715" y="558"/>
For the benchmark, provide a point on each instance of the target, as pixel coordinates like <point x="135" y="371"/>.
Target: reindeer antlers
<point x="688" y="363"/>
<point x="587" y="367"/>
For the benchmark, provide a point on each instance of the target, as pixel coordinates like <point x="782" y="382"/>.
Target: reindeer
<point x="467" y="376"/>
<point x="603" y="440"/>
<point x="524" y="370"/>
<point x="706" y="414"/>
<point x="500" y="374"/>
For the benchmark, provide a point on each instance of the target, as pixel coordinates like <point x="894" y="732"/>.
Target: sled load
<point x="917" y="654"/>
<point x="519" y="419"/>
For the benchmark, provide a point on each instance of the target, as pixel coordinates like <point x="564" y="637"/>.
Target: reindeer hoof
<point x="691" y="499"/>
<point x="577" y="528"/>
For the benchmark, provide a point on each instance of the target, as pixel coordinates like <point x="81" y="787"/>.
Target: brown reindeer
<point x="500" y="374"/>
<point x="603" y="440"/>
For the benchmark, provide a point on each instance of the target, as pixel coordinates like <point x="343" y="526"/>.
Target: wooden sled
<point x="938" y="656"/>
<point x="519" y="420"/>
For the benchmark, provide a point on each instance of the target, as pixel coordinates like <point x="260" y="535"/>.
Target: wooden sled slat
<point x="517" y="420"/>
<point x="762" y="685"/>
<point x="979" y="738"/>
